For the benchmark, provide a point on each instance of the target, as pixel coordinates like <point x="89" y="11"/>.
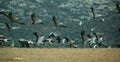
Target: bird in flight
<point x="35" y="19"/>
<point x="57" y="23"/>
<point x="12" y="17"/>
<point x="93" y="12"/>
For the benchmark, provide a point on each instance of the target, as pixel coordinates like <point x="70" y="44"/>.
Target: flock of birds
<point x="90" y="40"/>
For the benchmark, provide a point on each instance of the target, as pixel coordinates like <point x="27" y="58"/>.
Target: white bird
<point x="40" y="40"/>
<point x="63" y="41"/>
<point x="53" y="34"/>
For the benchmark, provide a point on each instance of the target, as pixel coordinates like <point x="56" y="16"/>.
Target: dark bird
<point x="93" y="12"/>
<point x="26" y="43"/>
<point x="5" y="13"/>
<point x="73" y="46"/>
<point x="36" y="35"/>
<point x="39" y="39"/>
<point x="96" y="35"/>
<point x="12" y="17"/>
<point x="85" y="37"/>
<point x="118" y="8"/>
<point x="4" y="40"/>
<point x="59" y="39"/>
<point x="8" y="26"/>
<point x="57" y="23"/>
<point x="15" y="19"/>
<point x="53" y="34"/>
<point x="35" y="19"/>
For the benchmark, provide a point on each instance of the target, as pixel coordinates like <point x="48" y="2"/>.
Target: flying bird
<point x="36" y="35"/>
<point x="59" y="39"/>
<point x="85" y="37"/>
<point x="39" y="40"/>
<point x="93" y="12"/>
<point x="15" y="19"/>
<point x="12" y="17"/>
<point x="5" y="13"/>
<point x="57" y="23"/>
<point x="35" y="19"/>
<point x="53" y="34"/>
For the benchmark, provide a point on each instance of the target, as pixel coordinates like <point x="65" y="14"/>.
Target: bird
<point x="35" y="20"/>
<point x="4" y="40"/>
<point x="39" y="39"/>
<point x="53" y="34"/>
<point x="12" y="17"/>
<point x="36" y="35"/>
<point x="85" y="37"/>
<point x="5" y="13"/>
<point x="12" y="44"/>
<point x="93" y="12"/>
<point x="48" y="41"/>
<point x="25" y="42"/>
<point x="59" y="39"/>
<point x="73" y="46"/>
<point x="57" y="23"/>
<point x="15" y="19"/>
<point x="118" y="8"/>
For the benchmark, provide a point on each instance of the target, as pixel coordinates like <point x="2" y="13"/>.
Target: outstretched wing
<point x="36" y="35"/>
<point x="14" y="18"/>
<point x="33" y="17"/>
<point x="8" y="26"/>
<point x="55" y="20"/>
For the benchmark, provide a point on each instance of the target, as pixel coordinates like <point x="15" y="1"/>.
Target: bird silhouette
<point x="12" y="17"/>
<point x="85" y="37"/>
<point x="39" y="39"/>
<point x="35" y="19"/>
<point x="8" y="26"/>
<point x="57" y="23"/>
<point x="93" y="12"/>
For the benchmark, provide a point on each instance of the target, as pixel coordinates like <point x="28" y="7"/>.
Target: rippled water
<point x="67" y="11"/>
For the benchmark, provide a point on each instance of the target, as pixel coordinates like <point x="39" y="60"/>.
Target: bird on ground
<point x="25" y="43"/>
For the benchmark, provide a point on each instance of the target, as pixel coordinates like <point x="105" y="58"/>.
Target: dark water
<point x="67" y="11"/>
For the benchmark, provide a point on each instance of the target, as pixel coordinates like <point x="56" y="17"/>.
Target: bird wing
<point x="40" y="40"/>
<point x="36" y="35"/>
<point x="15" y="19"/>
<point x="8" y="26"/>
<point x="55" y="20"/>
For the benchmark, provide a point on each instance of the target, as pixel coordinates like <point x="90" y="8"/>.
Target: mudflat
<point x="59" y="55"/>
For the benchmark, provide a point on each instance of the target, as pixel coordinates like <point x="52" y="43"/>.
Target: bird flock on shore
<point x="90" y="40"/>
